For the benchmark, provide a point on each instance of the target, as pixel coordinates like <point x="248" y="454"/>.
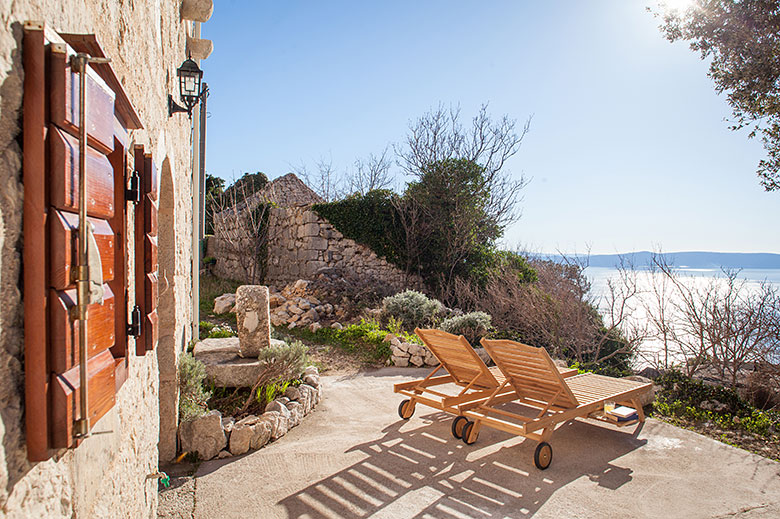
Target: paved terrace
<point x="354" y="458"/>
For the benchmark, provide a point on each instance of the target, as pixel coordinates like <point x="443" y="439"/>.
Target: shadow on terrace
<point x="426" y="473"/>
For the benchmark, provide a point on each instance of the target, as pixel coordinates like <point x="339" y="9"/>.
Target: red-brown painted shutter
<point x="146" y="263"/>
<point x="51" y="180"/>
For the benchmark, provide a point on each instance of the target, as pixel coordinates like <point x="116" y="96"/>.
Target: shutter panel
<point x="146" y="263"/>
<point x="51" y="180"/>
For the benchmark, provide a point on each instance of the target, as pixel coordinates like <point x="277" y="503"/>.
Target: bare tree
<point x="323" y="180"/>
<point x="724" y="322"/>
<point x="371" y="173"/>
<point x="440" y="136"/>
<point x="241" y="229"/>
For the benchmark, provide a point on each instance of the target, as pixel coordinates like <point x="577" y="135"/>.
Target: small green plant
<point x="221" y="332"/>
<point x="209" y="261"/>
<point x="205" y="328"/>
<point x="473" y="326"/>
<point x="395" y="326"/>
<point x="193" y="396"/>
<point x="281" y="363"/>
<point x="413" y="308"/>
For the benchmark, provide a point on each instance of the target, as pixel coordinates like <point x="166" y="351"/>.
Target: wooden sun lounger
<point x="467" y="374"/>
<point x="536" y="385"/>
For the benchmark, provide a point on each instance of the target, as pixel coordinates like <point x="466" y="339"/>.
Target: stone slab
<point x="224" y="366"/>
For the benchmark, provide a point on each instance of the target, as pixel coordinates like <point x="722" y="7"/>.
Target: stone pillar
<point x="254" y="319"/>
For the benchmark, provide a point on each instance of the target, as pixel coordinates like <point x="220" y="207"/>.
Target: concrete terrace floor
<point x="354" y="458"/>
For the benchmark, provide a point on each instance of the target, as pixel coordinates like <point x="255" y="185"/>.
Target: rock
<point x="314" y="301"/>
<point x="227" y="424"/>
<point x="484" y="356"/>
<point x="313" y="327"/>
<point x="277" y="406"/>
<point x="398" y="352"/>
<point x="561" y="363"/>
<point x="292" y="325"/>
<point x="276" y="300"/>
<point x="311" y="370"/>
<point x="280" y="424"/>
<point x="650" y="373"/>
<point x="430" y="360"/>
<point x="203" y="435"/>
<point x="417" y="360"/>
<point x="395" y="341"/>
<point x="282" y="400"/>
<point x="296" y="413"/>
<point x="301" y="285"/>
<point x="224" y="303"/>
<point x="294" y="309"/>
<point x="312" y="380"/>
<point x="253" y="318"/>
<point x="306" y="397"/>
<point x="337" y="326"/>
<point x="311" y="315"/>
<point x="261" y="433"/>
<point x="224" y="366"/>
<point x="401" y="362"/>
<point x="240" y="438"/>
<point x="714" y="406"/>
<point x="303" y="304"/>
<point x="389" y="337"/>
<point x="413" y="349"/>
<point x="649" y="397"/>
<point x="248" y="420"/>
<point x="293" y="393"/>
<point x="223" y="454"/>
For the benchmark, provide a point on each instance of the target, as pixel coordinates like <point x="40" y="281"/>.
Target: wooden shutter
<point x="146" y="263"/>
<point x="51" y="180"/>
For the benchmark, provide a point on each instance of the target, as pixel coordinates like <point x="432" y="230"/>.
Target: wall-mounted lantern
<point x="189" y="88"/>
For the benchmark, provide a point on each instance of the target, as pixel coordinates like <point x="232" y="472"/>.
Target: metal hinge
<point x="133" y="194"/>
<point x="134" y="327"/>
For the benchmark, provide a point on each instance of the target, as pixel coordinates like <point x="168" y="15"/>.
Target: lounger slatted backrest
<point x="531" y="371"/>
<point x="458" y="357"/>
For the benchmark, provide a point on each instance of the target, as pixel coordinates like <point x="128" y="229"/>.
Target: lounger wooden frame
<point x="535" y="384"/>
<point x="465" y="369"/>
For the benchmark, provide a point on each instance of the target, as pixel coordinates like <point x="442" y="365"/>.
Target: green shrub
<point x="193" y="396"/>
<point x="221" y="332"/>
<point x="371" y="220"/>
<point x="209" y="261"/>
<point x="414" y="309"/>
<point x="682" y="397"/>
<point x="473" y="326"/>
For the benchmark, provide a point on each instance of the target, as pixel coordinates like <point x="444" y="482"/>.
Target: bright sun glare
<point x="679" y="5"/>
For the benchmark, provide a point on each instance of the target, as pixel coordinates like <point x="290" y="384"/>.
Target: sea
<point x="651" y="352"/>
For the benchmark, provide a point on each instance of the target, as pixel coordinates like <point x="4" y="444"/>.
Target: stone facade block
<point x="253" y="318"/>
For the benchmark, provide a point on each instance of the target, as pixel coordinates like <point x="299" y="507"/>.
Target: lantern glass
<point x="189" y="80"/>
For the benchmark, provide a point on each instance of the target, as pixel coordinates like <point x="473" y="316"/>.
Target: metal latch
<point x="133" y="193"/>
<point x="134" y="327"/>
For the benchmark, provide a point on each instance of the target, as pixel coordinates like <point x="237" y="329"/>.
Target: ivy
<point x="371" y="220"/>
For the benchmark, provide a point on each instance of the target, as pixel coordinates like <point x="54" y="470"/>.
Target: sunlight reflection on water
<point x="651" y="349"/>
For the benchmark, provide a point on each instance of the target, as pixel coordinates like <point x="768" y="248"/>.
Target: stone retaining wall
<point x="300" y="245"/>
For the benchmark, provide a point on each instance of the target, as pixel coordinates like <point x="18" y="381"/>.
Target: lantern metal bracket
<point x="174" y="107"/>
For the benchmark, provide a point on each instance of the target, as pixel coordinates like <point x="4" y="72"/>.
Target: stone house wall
<point x="301" y="243"/>
<point x="106" y="475"/>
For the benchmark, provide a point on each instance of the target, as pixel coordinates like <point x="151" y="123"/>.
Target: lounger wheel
<point x="466" y="432"/>
<point x="457" y="426"/>
<point x="406" y="409"/>
<point x="543" y="456"/>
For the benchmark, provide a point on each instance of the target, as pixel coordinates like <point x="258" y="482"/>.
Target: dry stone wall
<point x="300" y="245"/>
<point x="106" y="475"/>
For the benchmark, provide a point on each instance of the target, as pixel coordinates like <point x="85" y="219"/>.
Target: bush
<point x="281" y="363"/>
<point x="193" y="397"/>
<point x="412" y="308"/>
<point x="371" y="220"/>
<point x="473" y="326"/>
<point x="682" y="397"/>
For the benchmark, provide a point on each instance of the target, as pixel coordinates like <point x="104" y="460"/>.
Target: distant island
<point x="695" y="260"/>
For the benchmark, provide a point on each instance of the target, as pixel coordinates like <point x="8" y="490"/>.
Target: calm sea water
<point x="650" y="350"/>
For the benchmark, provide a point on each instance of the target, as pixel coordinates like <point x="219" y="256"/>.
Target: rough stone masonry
<point x="253" y="318"/>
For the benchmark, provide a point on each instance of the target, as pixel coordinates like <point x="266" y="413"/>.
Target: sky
<point x="628" y="149"/>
